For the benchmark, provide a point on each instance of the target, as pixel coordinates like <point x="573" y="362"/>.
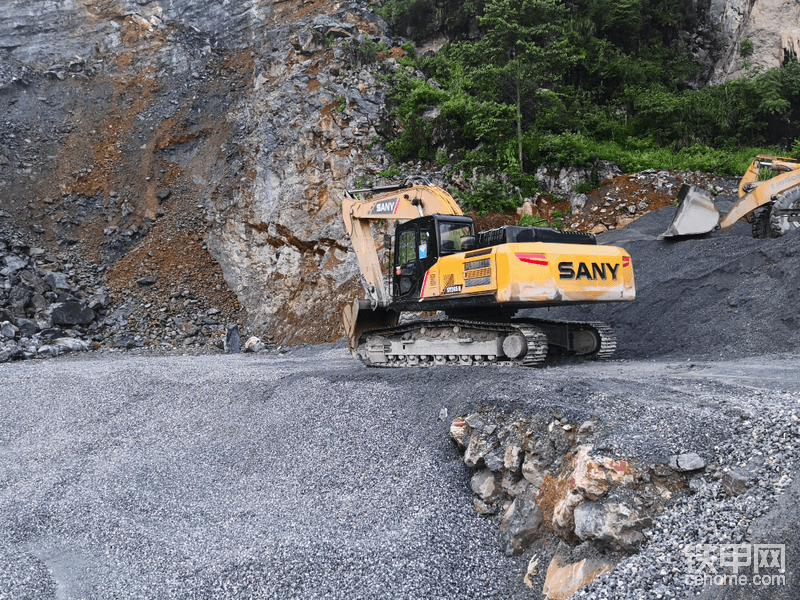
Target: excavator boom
<point x="394" y="203"/>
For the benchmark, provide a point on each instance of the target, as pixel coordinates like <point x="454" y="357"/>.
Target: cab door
<point x="407" y="264"/>
<point x="416" y="251"/>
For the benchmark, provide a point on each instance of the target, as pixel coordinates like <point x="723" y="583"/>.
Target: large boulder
<point x="14" y="263"/>
<point x="62" y="346"/>
<point x="57" y="281"/>
<point x="611" y="525"/>
<point x="7" y="330"/>
<point x="71" y="312"/>
<point x="27" y="328"/>
<point x="521" y="523"/>
<point x="563" y="580"/>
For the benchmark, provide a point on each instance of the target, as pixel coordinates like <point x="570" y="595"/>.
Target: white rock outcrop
<point x="772" y="25"/>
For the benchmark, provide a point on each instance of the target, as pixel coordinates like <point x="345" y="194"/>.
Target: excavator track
<point x="464" y="342"/>
<point x="604" y="339"/>
<point x="537" y="345"/>
<point x="608" y="341"/>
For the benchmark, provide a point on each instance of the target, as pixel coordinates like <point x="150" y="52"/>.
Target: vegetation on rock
<point x="570" y="83"/>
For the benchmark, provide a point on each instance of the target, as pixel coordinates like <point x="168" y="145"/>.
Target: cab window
<point x="406" y="248"/>
<point x="450" y="234"/>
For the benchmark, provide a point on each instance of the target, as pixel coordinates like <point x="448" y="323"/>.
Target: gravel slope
<point x="308" y="475"/>
<point x="232" y="477"/>
<point x="726" y="295"/>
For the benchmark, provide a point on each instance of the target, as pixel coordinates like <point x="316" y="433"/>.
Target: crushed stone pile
<point x="725" y="295"/>
<point x="49" y="305"/>
<point x="54" y="302"/>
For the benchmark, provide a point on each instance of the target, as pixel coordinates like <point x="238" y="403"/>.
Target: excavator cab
<point x="419" y="243"/>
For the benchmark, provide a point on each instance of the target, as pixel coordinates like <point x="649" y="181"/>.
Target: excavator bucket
<point x="696" y="213"/>
<point x="359" y="317"/>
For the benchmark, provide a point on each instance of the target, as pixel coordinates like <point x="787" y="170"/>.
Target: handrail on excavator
<point x="410" y="182"/>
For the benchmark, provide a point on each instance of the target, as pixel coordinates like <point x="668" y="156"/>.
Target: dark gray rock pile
<point x="725" y="295"/>
<point x="47" y="306"/>
<point x="52" y="303"/>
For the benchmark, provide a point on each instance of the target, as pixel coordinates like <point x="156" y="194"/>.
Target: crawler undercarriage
<point x="517" y="342"/>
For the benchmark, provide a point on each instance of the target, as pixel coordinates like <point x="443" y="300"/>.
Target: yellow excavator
<point x="475" y="283"/>
<point x="773" y="203"/>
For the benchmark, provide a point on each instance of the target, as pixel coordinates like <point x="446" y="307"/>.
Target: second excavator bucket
<point x="696" y="213"/>
<point x="360" y="317"/>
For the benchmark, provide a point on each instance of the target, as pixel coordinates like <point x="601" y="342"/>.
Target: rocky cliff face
<point x="154" y="133"/>
<point x="772" y="25"/>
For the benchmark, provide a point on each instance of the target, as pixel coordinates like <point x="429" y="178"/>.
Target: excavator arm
<point x="400" y="202"/>
<point x="397" y="204"/>
<point x="753" y="194"/>
<point x="697" y="214"/>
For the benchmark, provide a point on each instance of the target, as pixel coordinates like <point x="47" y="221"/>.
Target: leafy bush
<point x="584" y="186"/>
<point x="564" y="150"/>
<point x="527" y="220"/>
<point x="489" y="194"/>
<point x="527" y="184"/>
<point x="632" y="159"/>
<point x="390" y="173"/>
<point x="414" y="140"/>
<point x="408" y="48"/>
<point x="410" y="97"/>
<point x="341" y="104"/>
<point x="363" y="51"/>
<point x="391" y="9"/>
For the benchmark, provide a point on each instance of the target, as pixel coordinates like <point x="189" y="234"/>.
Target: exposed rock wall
<point x="283" y="244"/>
<point x="138" y="125"/>
<point x="40" y="33"/>
<point x="772" y="25"/>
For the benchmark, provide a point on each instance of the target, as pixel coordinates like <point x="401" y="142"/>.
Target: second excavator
<point x="772" y="205"/>
<point x="474" y="283"/>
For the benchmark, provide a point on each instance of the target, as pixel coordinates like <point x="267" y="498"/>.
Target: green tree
<point x="525" y="44"/>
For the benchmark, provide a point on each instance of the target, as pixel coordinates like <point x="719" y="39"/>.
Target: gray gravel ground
<point x="310" y="476"/>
